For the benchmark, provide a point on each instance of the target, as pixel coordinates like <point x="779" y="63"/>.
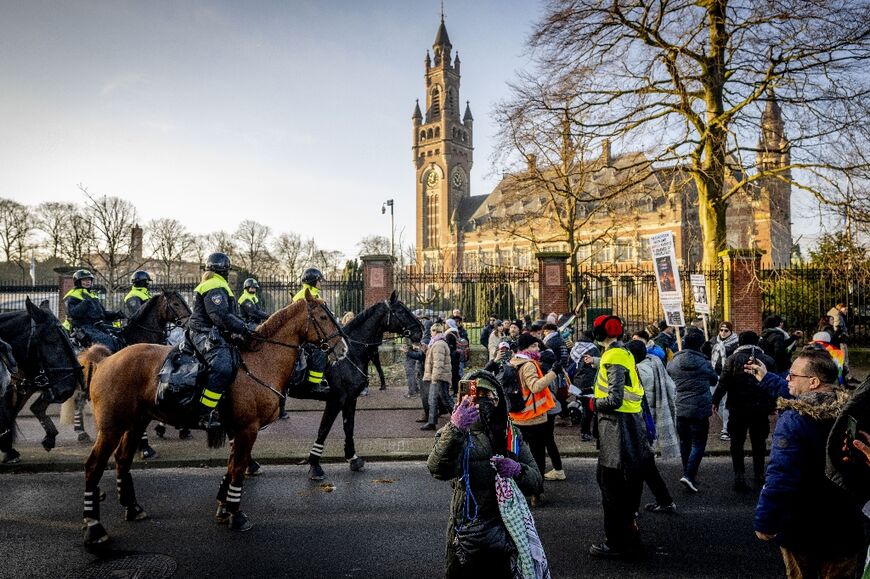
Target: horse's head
<point x="174" y="308"/>
<point x="323" y="328"/>
<point x="50" y="355"/>
<point x="401" y="321"/>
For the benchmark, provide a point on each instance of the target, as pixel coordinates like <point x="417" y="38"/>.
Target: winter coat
<point x="437" y="364"/>
<point x="529" y="378"/>
<point x="721" y="349"/>
<point x="584" y="374"/>
<point x="660" y="391"/>
<point x="807" y="512"/>
<point x="854" y="477"/>
<point x="555" y="342"/>
<point x="777" y="344"/>
<point x="745" y="394"/>
<point x="445" y="463"/>
<point x="622" y="436"/>
<point x="693" y="375"/>
<point x="484" y="335"/>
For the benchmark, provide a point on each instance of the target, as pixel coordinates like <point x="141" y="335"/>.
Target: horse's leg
<point x="38" y="408"/>
<point x="348" y="414"/>
<point x="123" y="461"/>
<point x="95" y="465"/>
<point x="7" y="432"/>
<point x="79" y="417"/>
<point x="229" y="495"/>
<point x="330" y="413"/>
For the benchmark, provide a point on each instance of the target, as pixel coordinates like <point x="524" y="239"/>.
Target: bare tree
<point x="112" y="219"/>
<point x="220" y="241"/>
<point x="169" y="242"/>
<point x="16" y="227"/>
<point x="697" y="75"/>
<point x="289" y="252"/>
<point x="374" y="244"/>
<point x="78" y="238"/>
<point x="252" y="246"/>
<point x="53" y="219"/>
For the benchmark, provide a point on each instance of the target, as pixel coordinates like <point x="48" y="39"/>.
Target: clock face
<point x="432" y="179"/>
<point x="457" y="179"/>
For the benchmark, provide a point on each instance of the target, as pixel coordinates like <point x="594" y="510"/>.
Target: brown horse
<point x="123" y="388"/>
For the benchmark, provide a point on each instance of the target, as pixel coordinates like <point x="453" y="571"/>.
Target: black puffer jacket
<point x="745" y="394"/>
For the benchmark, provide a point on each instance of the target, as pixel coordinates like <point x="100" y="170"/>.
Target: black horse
<point x="46" y="363"/>
<point x="348" y="377"/>
<point x="147" y="326"/>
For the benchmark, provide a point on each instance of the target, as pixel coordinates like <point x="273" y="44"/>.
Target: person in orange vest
<point x="534" y="385"/>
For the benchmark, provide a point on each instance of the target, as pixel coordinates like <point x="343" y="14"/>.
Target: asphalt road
<point x="387" y="521"/>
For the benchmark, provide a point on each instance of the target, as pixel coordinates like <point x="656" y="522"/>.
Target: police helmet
<point x="140" y="278"/>
<point x="251" y="283"/>
<point x="218" y="263"/>
<point x="81" y="274"/>
<point x="311" y="276"/>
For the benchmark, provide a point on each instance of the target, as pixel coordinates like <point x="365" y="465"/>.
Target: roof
<point x="441" y="37"/>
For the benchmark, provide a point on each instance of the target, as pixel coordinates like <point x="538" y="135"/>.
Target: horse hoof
<point x="184" y="434"/>
<point x="357" y="464"/>
<point x="222" y="516"/>
<point x="84" y="437"/>
<point x="160" y="430"/>
<point x="239" y="522"/>
<point x="135" y="513"/>
<point x="253" y="469"/>
<point x="11" y="457"/>
<point x="316" y="473"/>
<point x="95" y="534"/>
<point x="48" y="443"/>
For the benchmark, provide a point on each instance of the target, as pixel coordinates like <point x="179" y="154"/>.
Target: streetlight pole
<point x="389" y="203"/>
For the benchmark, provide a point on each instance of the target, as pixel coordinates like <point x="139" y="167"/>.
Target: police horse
<point x="348" y="378"/>
<point x="146" y="326"/>
<point x="123" y="389"/>
<point x="46" y="364"/>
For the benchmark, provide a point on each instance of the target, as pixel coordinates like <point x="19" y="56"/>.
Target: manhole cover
<point x="135" y="566"/>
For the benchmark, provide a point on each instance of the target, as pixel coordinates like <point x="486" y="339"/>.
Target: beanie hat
<point x="693" y="340"/>
<point x="822" y="337"/>
<point x="526" y="340"/>
<point x="747" y="338"/>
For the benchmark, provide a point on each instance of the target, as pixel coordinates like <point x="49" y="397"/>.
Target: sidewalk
<point x="385" y="430"/>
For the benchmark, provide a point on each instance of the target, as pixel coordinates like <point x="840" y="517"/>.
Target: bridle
<point x="405" y="332"/>
<point x="175" y="317"/>
<point x="43" y="376"/>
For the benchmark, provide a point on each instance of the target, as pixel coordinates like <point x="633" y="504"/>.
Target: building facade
<point x="626" y="199"/>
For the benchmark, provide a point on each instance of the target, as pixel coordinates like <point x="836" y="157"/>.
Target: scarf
<point x="720" y="349"/>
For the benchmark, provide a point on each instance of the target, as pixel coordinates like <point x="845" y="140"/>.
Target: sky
<point x="296" y="114"/>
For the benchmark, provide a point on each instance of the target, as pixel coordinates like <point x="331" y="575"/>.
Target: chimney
<point x="532" y="161"/>
<point x="605" y="153"/>
<point x="136" y="243"/>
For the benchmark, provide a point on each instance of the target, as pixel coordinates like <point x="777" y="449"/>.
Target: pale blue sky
<point x="296" y="114"/>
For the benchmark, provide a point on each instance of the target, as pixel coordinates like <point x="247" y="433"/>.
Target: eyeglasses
<point x="793" y="375"/>
<point x="724" y="330"/>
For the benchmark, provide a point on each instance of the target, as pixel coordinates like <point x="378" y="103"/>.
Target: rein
<point x="41" y="378"/>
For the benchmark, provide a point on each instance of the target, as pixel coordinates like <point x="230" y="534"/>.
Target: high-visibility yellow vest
<point x="213" y="282"/>
<point x="248" y="297"/>
<point x="138" y="292"/>
<point x="80" y="293"/>
<point x="631" y="401"/>
<point x="300" y="295"/>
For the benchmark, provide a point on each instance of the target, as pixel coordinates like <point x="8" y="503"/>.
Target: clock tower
<point x="442" y="150"/>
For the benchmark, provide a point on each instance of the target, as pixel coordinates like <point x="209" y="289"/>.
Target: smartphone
<point x="467" y="388"/>
<point x="851" y="430"/>
<point x="752" y="356"/>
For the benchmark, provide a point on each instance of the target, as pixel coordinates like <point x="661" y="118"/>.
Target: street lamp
<point x="389" y="203"/>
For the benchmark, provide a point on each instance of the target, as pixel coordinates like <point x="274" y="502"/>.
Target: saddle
<point x="181" y="379"/>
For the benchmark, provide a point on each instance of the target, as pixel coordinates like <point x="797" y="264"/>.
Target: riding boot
<point x="209" y="418"/>
<point x="320" y="388"/>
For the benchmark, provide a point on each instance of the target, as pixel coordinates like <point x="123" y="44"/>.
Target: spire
<point x="441" y="38"/>
<point x="418" y="115"/>
<point x="466" y="118"/>
<point x="772" y="112"/>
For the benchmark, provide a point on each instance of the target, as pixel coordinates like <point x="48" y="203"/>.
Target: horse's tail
<point x="216" y="436"/>
<point x="89" y="359"/>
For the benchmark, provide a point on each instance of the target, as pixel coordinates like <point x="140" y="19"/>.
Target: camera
<point x="468" y="388"/>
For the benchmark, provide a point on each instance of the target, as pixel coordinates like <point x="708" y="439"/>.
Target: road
<point x="387" y="521"/>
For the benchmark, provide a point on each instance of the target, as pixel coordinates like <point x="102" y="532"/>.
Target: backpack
<point x="513" y="391"/>
<point x="766" y="343"/>
<point x="462" y="347"/>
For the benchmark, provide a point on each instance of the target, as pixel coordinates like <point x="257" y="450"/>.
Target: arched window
<point x="429" y="134"/>
<point x="451" y="101"/>
<point x="437" y="132"/>
<point x="422" y="135"/>
<point x="435" y="109"/>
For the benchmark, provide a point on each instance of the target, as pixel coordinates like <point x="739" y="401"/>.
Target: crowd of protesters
<point x="651" y="395"/>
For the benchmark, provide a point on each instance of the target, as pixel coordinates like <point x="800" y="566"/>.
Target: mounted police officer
<point x="249" y="303"/>
<point x="215" y="317"/>
<point x="316" y="357"/>
<point x="87" y="314"/>
<point x="138" y="294"/>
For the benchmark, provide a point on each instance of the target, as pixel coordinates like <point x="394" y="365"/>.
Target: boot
<point x="321" y="389"/>
<point x="209" y="419"/>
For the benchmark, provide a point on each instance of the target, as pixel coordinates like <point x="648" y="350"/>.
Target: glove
<point x="465" y="414"/>
<point x="251" y="327"/>
<point x="506" y="467"/>
<point x="556" y="368"/>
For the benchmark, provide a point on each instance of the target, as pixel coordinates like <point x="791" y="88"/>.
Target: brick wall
<point x="377" y="278"/>
<point x="742" y="288"/>
<point x="553" y="282"/>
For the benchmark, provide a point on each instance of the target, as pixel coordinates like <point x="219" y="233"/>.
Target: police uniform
<point x="214" y="318"/>
<point x="87" y="314"/>
<point x="316" y="356"/>
<point x="135" y="299"/>
<point x="249" y="304"/>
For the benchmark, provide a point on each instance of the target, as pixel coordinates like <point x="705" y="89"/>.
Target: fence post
<point x="742" y="290"/>
<point x="553" y="282"/>
<point x="64" y="284"/>
<point x="377" y="278"/>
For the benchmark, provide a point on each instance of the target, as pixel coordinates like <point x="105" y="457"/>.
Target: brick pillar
<point x="552" y="282"/>
<point x="64" y="284"/>
<point x="742" y="290"/>
<point x="377" y="278"/>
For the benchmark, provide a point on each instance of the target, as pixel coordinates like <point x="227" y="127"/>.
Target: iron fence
<point x="14" y="294"/>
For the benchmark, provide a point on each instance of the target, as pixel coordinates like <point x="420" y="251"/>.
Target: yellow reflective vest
<point x="631" y="401"/>
<point x="300" y="295"/>
<point x="248" y="297"/>
<point x="214" y="282"/>
<point x="138" y="292"/>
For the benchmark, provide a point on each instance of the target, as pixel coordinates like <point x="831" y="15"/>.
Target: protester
<point x="584" y="379"/>
<point x="496" y="337"/>
<point x="817" y="525"/>
<point x="548" y="360"/>
<point x="778" y="344"/>
<point x="487" y="328"/>
<point x="721" y="346"/>
<point x="693" y="375"/>
<point x="666" y="339"/>
<point x="437" y="376"/>
<point x="469" y="451"/>
<point x="414" y="357"/>
<point x="749" y="406"/>
<point x="824" y="341"/>
<point x="622" y="440"/>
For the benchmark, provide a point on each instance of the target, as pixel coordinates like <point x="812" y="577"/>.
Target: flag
<point x="33" y="270"/>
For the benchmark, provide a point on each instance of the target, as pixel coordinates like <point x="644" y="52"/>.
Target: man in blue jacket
<point x="818" y="525"/>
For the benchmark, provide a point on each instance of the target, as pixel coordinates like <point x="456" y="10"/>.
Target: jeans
<point x="552" y="449"/>
<point x="536" y="437"/>
<point x="757" y="423"/>
<point x="693" y="441"/>
<point x="439" y="392"/>
<point x="411" y="376"/>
